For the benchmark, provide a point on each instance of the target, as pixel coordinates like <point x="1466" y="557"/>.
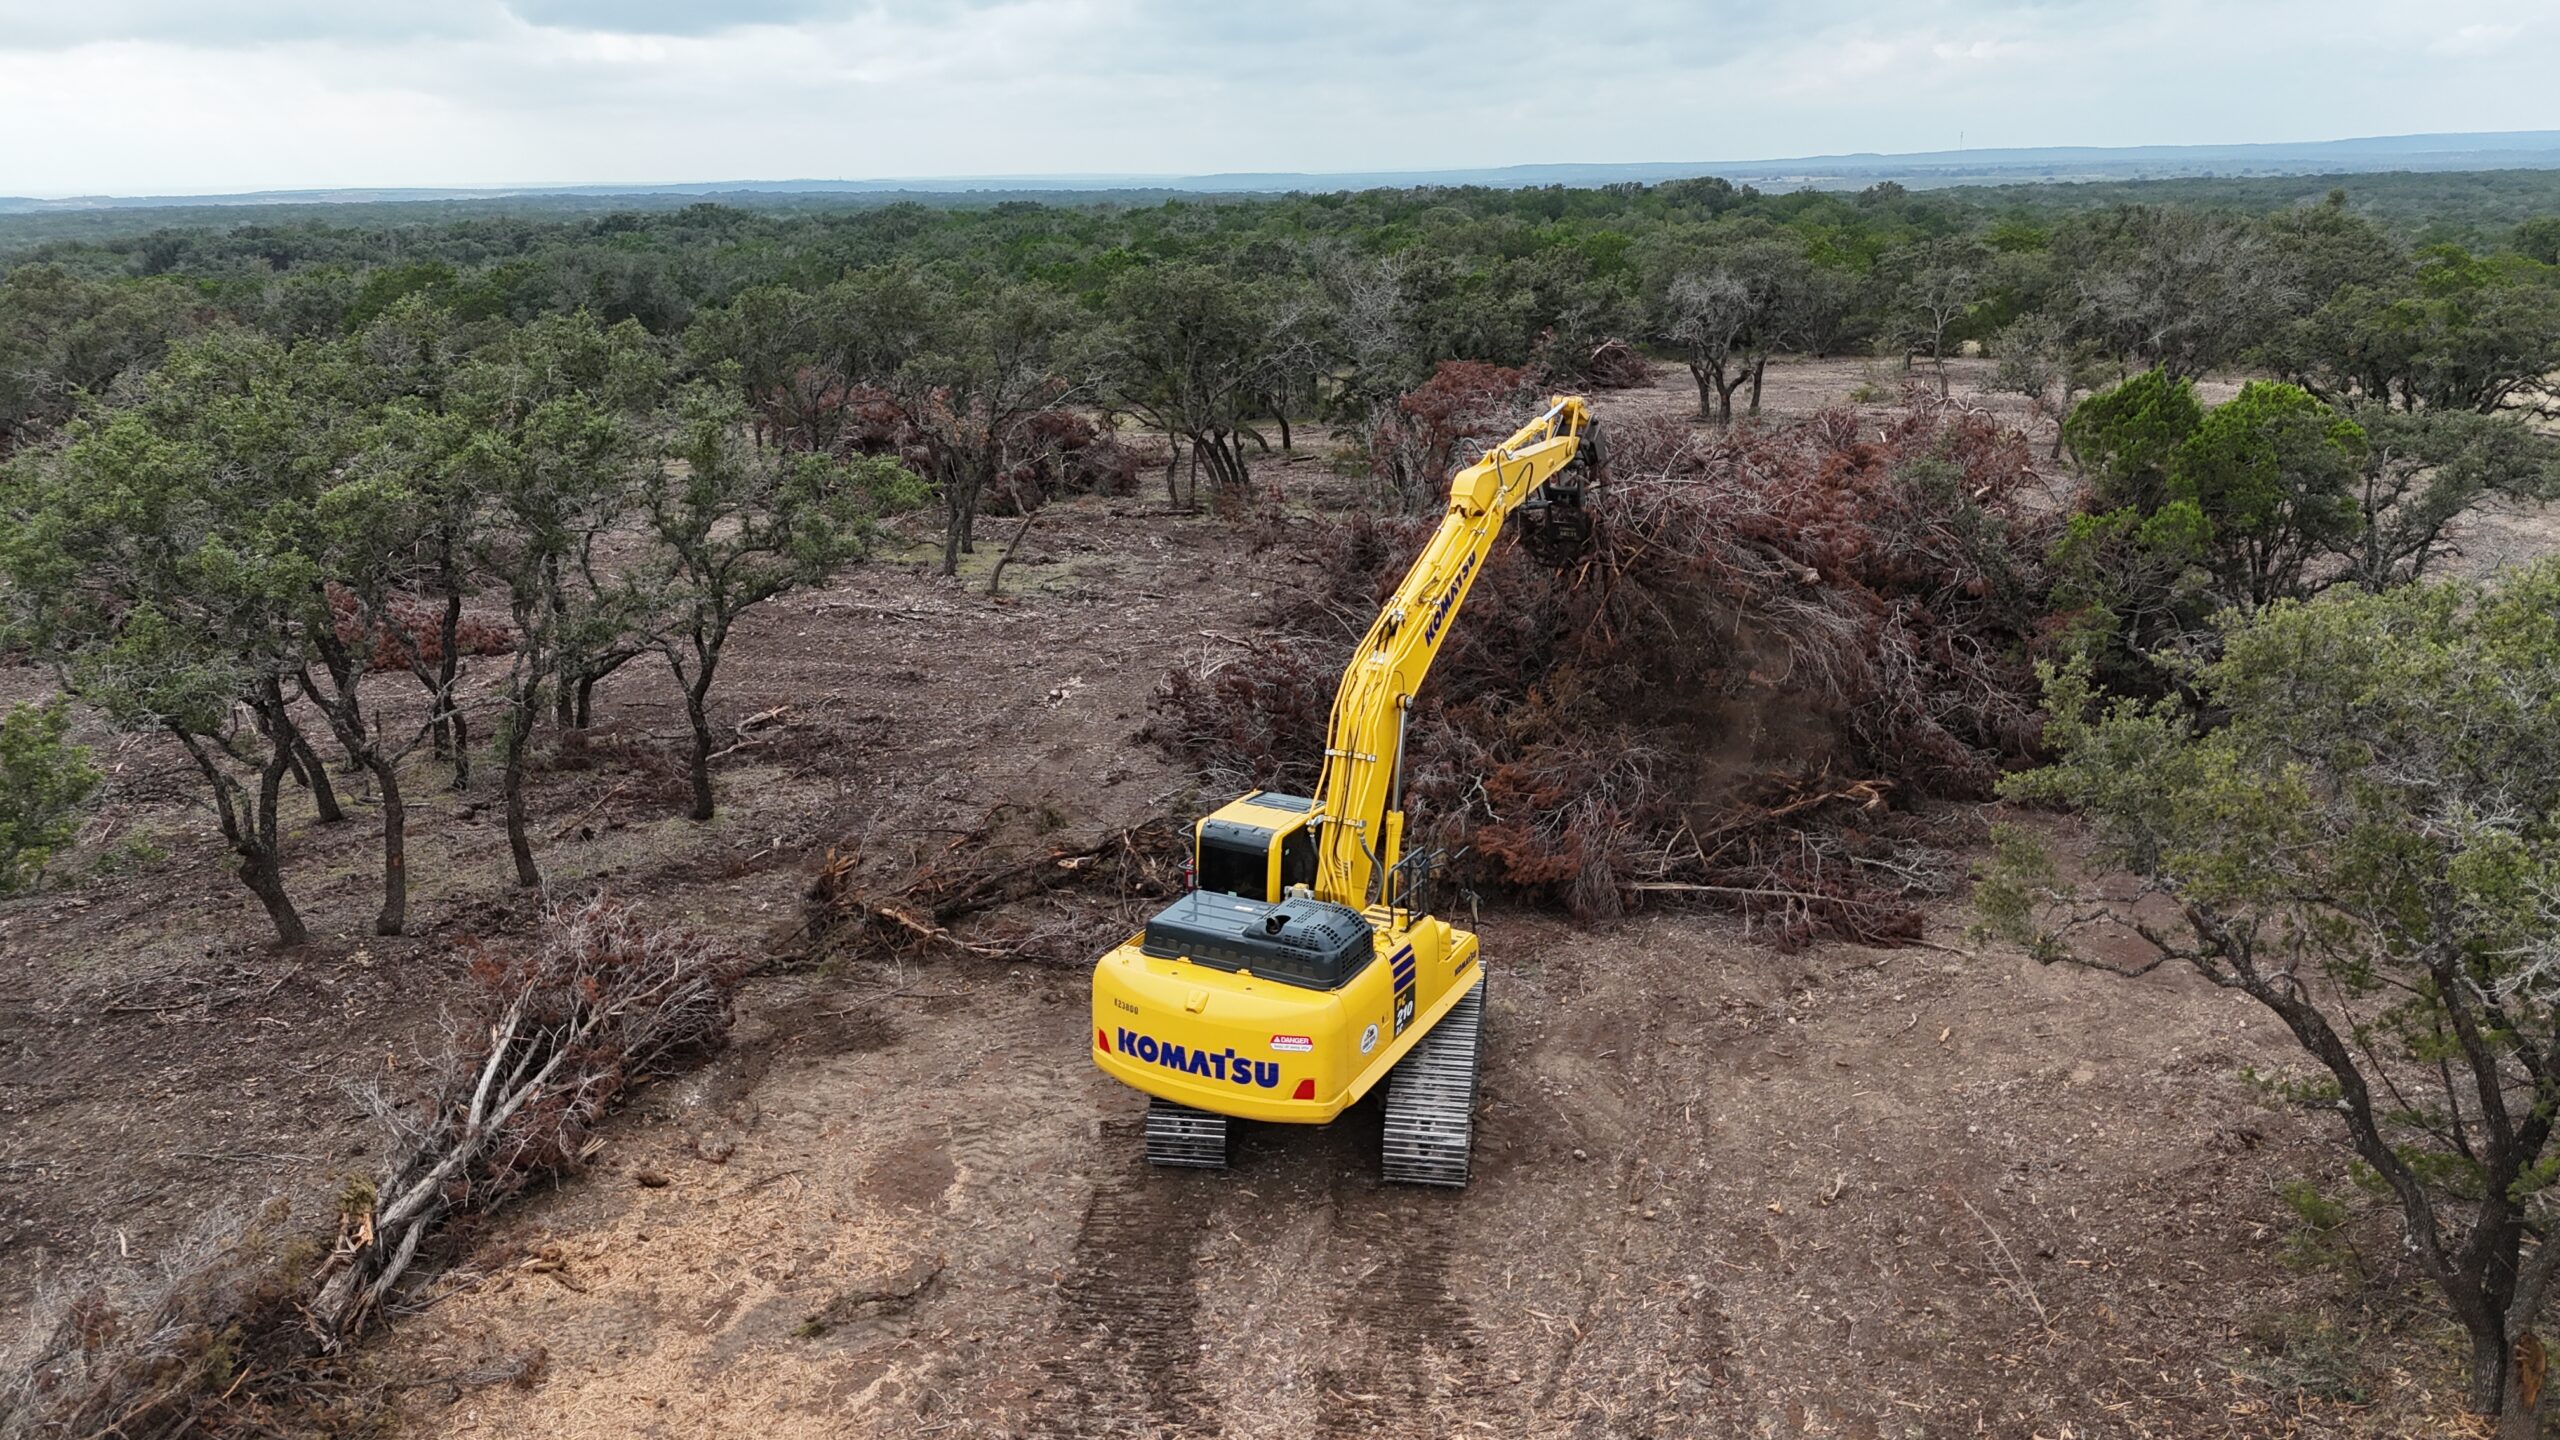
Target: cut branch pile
<point x="600" y="1002"/>
<point x="168" y="1356"/>
<point x="1615" y="365"/>
<point x="1464" y="406"/>
<point x="1785" y="637"/>
<point x="1040" y="906"/>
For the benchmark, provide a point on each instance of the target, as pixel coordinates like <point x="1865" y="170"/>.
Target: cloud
<point x="52" y="24"/>
<point x="671" y="17"/>
<point x="128" y="96"/>
<point x="2475" y="39"/>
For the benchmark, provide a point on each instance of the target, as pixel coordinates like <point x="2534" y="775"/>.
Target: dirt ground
<point x="1720" y="1190"/>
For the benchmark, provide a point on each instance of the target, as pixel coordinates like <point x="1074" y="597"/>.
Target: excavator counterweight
<point x="1301" y="970"/>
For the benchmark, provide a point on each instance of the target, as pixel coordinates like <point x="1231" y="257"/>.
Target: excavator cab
<point x="1256" y="847"/>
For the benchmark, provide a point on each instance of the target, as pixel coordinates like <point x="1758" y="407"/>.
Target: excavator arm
<point x="1358" y="822"/>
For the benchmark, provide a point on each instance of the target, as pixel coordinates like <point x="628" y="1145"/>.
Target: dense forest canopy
<point x="2470" y="207"/>
<point x="2336" y="286"/>
<point x="1075" y="239"/>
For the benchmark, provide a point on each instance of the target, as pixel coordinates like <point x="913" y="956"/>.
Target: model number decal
<point x="1224" y="1064"/>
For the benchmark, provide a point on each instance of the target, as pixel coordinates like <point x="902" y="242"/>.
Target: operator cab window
<point x="1232" y="869"/>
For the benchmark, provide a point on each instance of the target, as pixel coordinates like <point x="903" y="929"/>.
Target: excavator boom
<point x="1360" y="797"/>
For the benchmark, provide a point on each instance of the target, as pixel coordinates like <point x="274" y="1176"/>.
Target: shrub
<point x="2127" y="436"/>
<point x="45" y="780"/>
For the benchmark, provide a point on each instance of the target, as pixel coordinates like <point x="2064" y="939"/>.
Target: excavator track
<point x="1431" y="1100"/>
<point x="1179" y="1135"/>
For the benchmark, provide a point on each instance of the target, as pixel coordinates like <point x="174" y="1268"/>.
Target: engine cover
<point x="1297" y="941"/>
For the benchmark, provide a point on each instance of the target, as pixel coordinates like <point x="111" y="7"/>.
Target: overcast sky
<point x="201" y="96"/>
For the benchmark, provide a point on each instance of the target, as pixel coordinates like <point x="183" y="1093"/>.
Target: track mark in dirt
<point x="1129" y="1365"/>
<point x="1416" y="1341"/>
<point x="807" y="1028"/>
<point x="1407" y="1345"/>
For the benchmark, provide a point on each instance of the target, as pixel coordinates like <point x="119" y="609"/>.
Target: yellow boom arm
<point x="1360" y="798"/>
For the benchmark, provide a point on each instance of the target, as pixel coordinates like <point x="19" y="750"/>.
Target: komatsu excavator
<point x="1302" y="969"/>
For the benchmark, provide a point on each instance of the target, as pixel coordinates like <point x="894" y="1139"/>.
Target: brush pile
<point x="599" y="1004"/>
<point x="1030" y="900"/>
<point x="1786" y="639"/>
<point x="412" y="638"/>
<point x="1444" y="422"/>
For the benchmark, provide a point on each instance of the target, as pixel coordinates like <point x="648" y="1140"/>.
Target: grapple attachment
<point x="1554" y="527"/>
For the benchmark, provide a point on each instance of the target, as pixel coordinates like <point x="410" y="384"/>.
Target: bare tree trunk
<point x="1173" y="473"/>
<point x="951" y="512"/>
<point x="1283" y="418"/>
<point x="306" y="767"/>
<point x="261" y="870"/>
<point x="995" y="577"/>
<point x="1724" y="389"/>
<point x="461" y="748"/>
<point x="2490" y="1380"/>
<point x="448" y="665"/>
<point x="394" y="916"/>
<point x="451" y="736"/>
<point x="342" y="706"/>
<point x="253" y="836"/>
<point x="519" y="739"/>
<point x="697" y="709"/>
<point x="1759" y="372"/>
<point x="1224" y="454"/>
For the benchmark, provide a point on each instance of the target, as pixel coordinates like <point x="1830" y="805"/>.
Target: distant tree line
<point x="1334" y="300"/>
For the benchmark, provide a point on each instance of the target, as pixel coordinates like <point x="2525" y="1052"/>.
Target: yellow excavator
<point x="1302" y="967"/>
